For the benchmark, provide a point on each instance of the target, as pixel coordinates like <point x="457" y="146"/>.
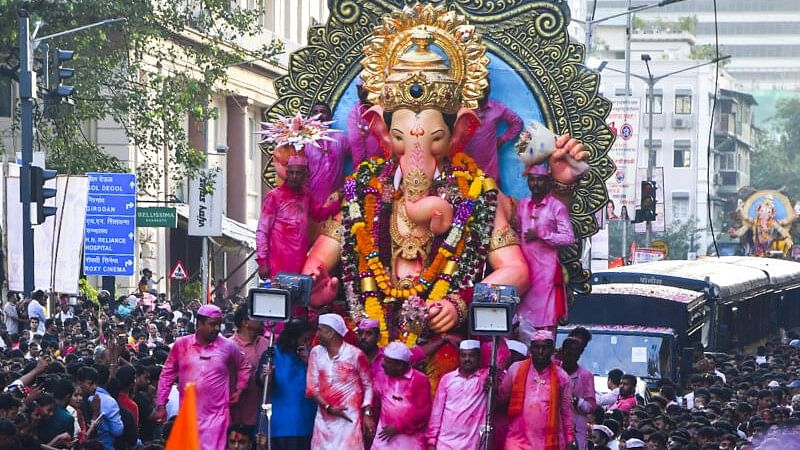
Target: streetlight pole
<point x="651" y="82"/>
<point x="27" y="96"/>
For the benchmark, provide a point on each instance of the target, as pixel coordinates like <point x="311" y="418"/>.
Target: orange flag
<point x="184" y="434"/>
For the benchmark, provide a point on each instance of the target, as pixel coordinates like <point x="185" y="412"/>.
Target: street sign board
<point x="110" y="239"/>
<point x="156" y="217"/>
<point x="643" y="255"/>
<point x="178" y="271"/>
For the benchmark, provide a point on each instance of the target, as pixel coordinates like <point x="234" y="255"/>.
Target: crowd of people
<point x="110" y="376"/>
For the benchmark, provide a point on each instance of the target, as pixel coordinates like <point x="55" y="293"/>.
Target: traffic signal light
<point x="39" y="193"/>
<point x="64" y="73"/>
<point x="647" y="204"/>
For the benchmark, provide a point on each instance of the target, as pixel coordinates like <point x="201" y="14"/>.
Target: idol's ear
<point x="466" y="124"/>
<point x="379" y="128"/>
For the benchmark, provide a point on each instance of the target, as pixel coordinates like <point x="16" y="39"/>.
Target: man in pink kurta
<point x="362" y="143"/>
<point x="485" y="143"/>
<point x="528" y="426"/>
<point x="249" y="337"/>
<point x="404" y="396"/>
<point x="325" y="159"/>
<point x="282" y="233"/>
<point x="545" y="226"/>
<point x="339" y="380"/>
<point x="582" y="382"/>
<point x="459" y="408"/>
<point x="214" y="364"/>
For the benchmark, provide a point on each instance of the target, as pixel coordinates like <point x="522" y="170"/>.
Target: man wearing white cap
<point x="539" y="397"/>
<point x="339" y="380"/>
<point x="601" y="435"/>
<point x="404" y="394"/>
<point x="459" y="408"/>
<point x="635" y="443"/>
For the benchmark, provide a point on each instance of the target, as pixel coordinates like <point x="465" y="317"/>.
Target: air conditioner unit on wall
<point x="682" y="122"/>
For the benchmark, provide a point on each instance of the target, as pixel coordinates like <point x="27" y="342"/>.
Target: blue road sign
<point x="110" y="238"/>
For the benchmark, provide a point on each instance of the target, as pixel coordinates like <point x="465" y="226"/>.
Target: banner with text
<point x="624" y="123"/>
<point x="206" y="192"/>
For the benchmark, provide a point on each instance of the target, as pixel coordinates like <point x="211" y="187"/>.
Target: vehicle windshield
<point x="645" y="356"/>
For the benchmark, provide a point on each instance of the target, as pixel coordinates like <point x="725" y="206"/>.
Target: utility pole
<point x="651" y="81"/>
<point x="27" y="94"/>
<point x="204" y="251"/>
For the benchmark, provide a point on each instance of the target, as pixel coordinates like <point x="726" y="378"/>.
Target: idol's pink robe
<point x="363" y="144"/>
<point x="405" y="403"/>
<point x="459" y="411"/>
<point x="582" y="382"/>
<point x="213" y="368"/>
<point x="482" y="147"/>
<point x="326" y="166"/>
<point x="550" y="219"/>
<point x="343" y="381"/>
<point x="527" y="430"/>
<point x="282" y="233"/>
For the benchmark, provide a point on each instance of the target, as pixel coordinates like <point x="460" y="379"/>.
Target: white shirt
<point x="36" y="310"/>
<point x="607" y="399"/>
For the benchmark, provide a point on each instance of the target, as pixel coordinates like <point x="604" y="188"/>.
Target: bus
<point x="647" y="318"/>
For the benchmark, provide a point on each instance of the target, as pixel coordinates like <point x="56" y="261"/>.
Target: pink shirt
<point x="527" y="430"/>
<point x="624" y="404"/>
<point x="282" y="233"/>
<point x="582" y="382"/>
<point x="405" y="403"/>
<point x="550" y="219"/>
<point x="213" y="369"/>
<point x="363" y="144"/>
<point x="459" y="410"/>
<point x="245" y="410"/>
<point x="343" y="381"/>
<point x="326" y="166"/>
<point x="482" y="147"/>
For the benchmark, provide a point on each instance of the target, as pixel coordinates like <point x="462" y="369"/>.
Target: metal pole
<point x="27" y="86"/>
<point x="626" y="108"/>
<point x="485" y="442"/>
<point x="651" y="156"/>
<point x="266" y="408"/>
<point x="204" y="255"/>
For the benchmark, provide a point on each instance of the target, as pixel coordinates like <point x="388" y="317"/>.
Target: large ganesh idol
<point x="418" y="227"/>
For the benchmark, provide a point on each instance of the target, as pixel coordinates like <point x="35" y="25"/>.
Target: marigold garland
<point x="454" y="263"/>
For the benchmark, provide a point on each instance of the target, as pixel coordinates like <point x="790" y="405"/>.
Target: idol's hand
<point x="324" y="288"/>
<point x="442" y="317"/>
<point x="562" y="169"/>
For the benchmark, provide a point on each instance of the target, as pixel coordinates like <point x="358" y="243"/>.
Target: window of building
<point x="680" y="207"/>
<point x="727" y="161"/>
<point x="5" y="97"/>
<point x="683" y="103"/>
<point x="658" y="100"/>
<point x="681" y="154"/>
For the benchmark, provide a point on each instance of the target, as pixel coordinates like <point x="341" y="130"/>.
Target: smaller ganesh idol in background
<point x="282" y="233"/>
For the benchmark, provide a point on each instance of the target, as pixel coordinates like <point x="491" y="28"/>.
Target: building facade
<point x="233" y="145"/>
<point x="681" y="122"/>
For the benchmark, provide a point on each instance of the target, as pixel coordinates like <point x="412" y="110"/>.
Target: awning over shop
<point x="234" y="233"/>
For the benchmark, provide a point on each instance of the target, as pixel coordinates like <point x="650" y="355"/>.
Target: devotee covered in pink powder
<point x="582" y="382"/>
<point x="368" y="335"/>
<point x="339" y="380"/>
<point x="545" y="226"/>
<point x="326" y="159"/>
<point x="404" y="396"/>
<point x="363" y="145"/>
<point x="539" y="398"/>
<point x="459" y="407"/>
<point x="214" y="364"/>
<point x="282" y="233"/>
<point x="485" y="143"/>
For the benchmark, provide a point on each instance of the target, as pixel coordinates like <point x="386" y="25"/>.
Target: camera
<point x="492" y="309"/>
<point x="275" y="301"/>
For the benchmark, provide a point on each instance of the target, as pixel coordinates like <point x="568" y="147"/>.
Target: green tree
<point x="775" y="163"/>
<point x="681" y="238"/>
<point x="147" y="74"/>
